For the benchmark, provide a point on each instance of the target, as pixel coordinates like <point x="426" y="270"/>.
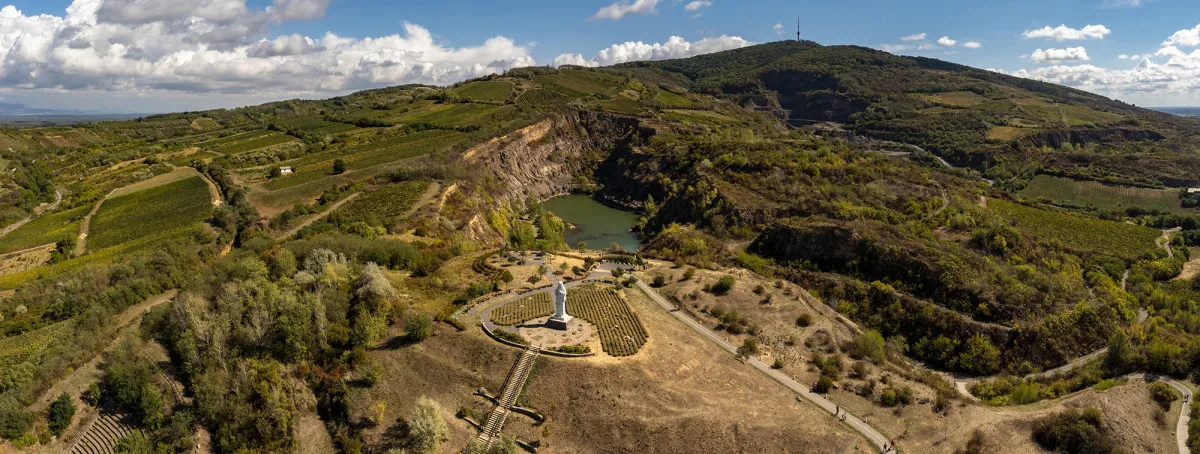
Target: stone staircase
<point x="102" y="435"/>
<point x="508" y="396"/>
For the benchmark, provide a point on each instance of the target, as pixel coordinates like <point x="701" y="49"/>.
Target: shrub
<point x="804" y="320"/>
<point x="723" y="285"/>
<point x="892" y="397"/>
<point x="778" y="364"/>
<point x="133" y="443"/>
<point x="427" y="429"/>
<point x="339" y="166"/>
<point x="749" y="348"/>
<point x="824" y="384"/>
<point x="1162" y="394"/>
<point x="418" y="327"/>
<point x="869" y="345"/>
<point x="61" y="412"/>
<point x="573" y="349"/>
<point x="759" y="289"/>
<point x="659" y="280"/>
<point x="1073" y="431"/>
<point x="689" y="274"/>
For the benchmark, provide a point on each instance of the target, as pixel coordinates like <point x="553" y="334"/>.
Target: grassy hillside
<point x="998" y="124"/>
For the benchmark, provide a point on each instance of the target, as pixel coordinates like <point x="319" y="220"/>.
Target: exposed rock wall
<point x="548" y="158"/>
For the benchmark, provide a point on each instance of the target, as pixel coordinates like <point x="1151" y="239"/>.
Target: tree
<point x="506" y="277"/>
<point x="14" y="421"/>
<point x="979" y="357"/>
<point x="339" y="166"/>
<point x="723" y="285"/>
<point x="749" y="348"/>
<point x="275" y="172"/>
<point x="418" y="327"/>
<point x="824" y="384"/>
<point x="869" y="345"/>
<point x="659" y="280"/>
<point x="60" y="414"/>
<point x="133" y="443"/>
<point x="1116" y="359"/>
<point x="427" y="428"/>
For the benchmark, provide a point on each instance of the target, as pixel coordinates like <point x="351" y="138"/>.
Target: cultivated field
<point x="1100" y="195"/>
<point x="384" y="205"/>
<point x="44" y="230"/>
<point x="1079" y="232"/>
<point x="36" y="343"/>
<point x="486" y="91"/>
<point x="159" y="212"/>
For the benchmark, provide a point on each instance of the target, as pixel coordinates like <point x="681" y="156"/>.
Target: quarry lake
<point x="595" y="223"/>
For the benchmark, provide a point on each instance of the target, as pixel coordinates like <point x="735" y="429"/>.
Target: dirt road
<point x="36" y="212"/>
<point x="874" y="436"/>
<point x="307" y="222"/>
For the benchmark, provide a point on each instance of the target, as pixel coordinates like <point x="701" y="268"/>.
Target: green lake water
<point x="595" y="223"/>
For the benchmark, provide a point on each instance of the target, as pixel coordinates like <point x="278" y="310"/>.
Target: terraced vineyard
<point x="269" y="140"/>
<point x="248" y="135"/>
<point x="621" y="331"/>
<point x="1078" y="232"/>
<point x="16" y="349"/>
<point x="542" y="97"/>
<point x="1100" y="195"/>
<point x="382" y="206"/>
<point x="457" y="115"/>
<point x="103" y="434"/>
<point x="44" y="230"/>
<point x="158" y="212"/>
<point x="317" y="166"/>
<point x="486" y="91"/>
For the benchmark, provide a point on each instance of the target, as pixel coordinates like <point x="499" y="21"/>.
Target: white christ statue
<point x="560" y="319"/>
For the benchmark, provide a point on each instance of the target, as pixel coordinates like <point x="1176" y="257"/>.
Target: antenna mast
<point x="797" y="28"/>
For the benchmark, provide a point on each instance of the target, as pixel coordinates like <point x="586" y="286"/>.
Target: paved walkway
<point x="874" y="436"/>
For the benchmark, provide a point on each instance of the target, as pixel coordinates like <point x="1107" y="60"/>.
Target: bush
<point x="869" y="345"/>
<point x="892" y="397"/>
<point x="804" y="320"/>
<point x="14" y="421"/>
<point x="689" y="274"/>
<point x="61" y="412"/>
<point x="749" y="348"/>
<point x="339" y="166"/>
<point x="1073" y="431"/>
<point x="133" y="443"/>
<point x="418" y="327"/>
<point x="824" y="384"/>
<point x="659" y="280"/>
<point x="778" y="364"/>
<point x="573" y="349"/>
<point x="723" y="285"/>
<point x="427" y="429"/>
<point x="1162" y="394"/>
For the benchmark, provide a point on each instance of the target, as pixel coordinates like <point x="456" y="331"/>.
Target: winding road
<point x="873" y="435"/>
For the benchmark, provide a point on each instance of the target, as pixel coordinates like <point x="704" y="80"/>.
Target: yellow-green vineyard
<point x="621" y="331"/>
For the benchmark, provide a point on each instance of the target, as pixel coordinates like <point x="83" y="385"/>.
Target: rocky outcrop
<point x="555" y="155"/>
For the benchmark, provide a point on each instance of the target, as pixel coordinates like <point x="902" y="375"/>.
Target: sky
<point x="174" y="55"/>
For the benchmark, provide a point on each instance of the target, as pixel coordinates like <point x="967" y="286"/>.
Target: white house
<point x="285" y="170"/>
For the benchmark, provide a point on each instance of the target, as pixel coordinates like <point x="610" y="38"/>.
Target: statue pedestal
<point x="559" y="322"/>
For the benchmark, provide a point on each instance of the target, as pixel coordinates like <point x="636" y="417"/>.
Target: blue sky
<point x="155" y="55"/>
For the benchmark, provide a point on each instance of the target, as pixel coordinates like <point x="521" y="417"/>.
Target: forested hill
<point x="1007" y="127"/>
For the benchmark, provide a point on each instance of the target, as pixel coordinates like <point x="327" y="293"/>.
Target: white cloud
<point x="972" y="44"/>
<point x="946" y="41"/>
<point x="914" y="37"/>
<point x="695" y="16"/>
<point x="142" y="47"/>
<point x="675" y="47"/>
<point x="696" y="5"/>
<point x="1123" y="3"/>
<point x="1059" y="55"/>
<point x="1123" y="57"/>
<point x="1188" y="38"/>
<point x="778" y="29"/>
<point x="1064" y="33"/>
<point x="619" y="10"/>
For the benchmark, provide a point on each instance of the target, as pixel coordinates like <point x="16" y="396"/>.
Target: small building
<point x="285" y="170"/>
<point x="1193" y="190"/>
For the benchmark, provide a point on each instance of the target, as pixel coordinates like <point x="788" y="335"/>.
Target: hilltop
<point x="1006" y="127"/>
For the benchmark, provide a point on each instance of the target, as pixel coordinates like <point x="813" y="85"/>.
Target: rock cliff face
<point x="554" y="156"/>
<point x="1056" y="139"/>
